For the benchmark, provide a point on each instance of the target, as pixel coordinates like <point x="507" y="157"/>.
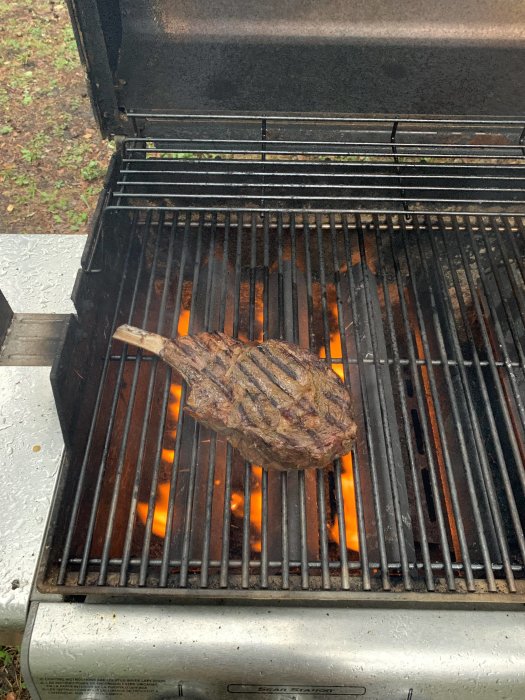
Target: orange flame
<point x="347" y="475"/>
<point x="349" y="507"/>
<point x="160" y="514"/>
<point x="336" y="349"/>
<point x="184" y="322"/>
<point x="237" y="507"/>
<point x="259" y="320"/>
<point x="237" y="497"/>
<point x="237" y="503"/>
<point x="168" y="456"/>
<point x="174" y="404"/>
<point x="437" y="439"/>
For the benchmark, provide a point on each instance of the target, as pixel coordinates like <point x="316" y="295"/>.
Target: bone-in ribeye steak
<point x="279" y="405"/>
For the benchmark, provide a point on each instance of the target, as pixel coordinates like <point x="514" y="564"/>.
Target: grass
<point x="52" y="159"/>
<point x="36" y="148"/>
<point x="92" y="171"/>
<point x="12" y="687"/>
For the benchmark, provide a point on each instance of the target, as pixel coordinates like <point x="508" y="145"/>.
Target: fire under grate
<point x="423" y="316"/>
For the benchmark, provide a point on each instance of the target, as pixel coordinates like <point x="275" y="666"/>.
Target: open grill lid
<point x="273" y="57"/>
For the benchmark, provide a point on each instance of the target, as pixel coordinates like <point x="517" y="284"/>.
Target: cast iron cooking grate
<point x="423" y="316"/>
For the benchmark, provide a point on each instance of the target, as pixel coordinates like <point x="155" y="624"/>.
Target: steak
<point x="280" y="406"/>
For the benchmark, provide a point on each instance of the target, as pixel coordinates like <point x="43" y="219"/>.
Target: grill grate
<point x="425" y="318"/>
<point x="279" y="164"/>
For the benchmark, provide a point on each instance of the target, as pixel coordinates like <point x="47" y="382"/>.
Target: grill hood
<point x="358" y="57"/>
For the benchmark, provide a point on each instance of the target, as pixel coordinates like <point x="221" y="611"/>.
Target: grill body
<point x="251" y="192"/>
<point x="395" y="251"/>
<point x="270" y="652"/>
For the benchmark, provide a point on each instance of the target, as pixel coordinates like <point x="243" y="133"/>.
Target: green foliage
<point x="35" y="148"/>
<point x="77" y="219"/>
<point x="11" y="683"/>
<point x="92" y="171"/>
<point x="5" y="657"/>
<point x="74" y="154"/>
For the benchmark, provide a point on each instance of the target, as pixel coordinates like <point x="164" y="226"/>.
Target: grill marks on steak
<point x="279" y="405"/>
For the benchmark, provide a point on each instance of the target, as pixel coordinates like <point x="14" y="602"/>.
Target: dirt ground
<point x="52" y="158"/>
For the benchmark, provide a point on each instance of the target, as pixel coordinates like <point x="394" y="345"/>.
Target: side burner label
<point x="319" y="690"/>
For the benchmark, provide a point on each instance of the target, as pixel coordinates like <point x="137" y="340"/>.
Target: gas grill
<point x="391" y="246"/>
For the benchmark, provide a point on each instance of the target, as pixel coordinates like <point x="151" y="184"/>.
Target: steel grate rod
<point x="454" y="400"/>
<point x="354" y="565"/>
<point x="429" y="579"/>
<point x="482" y="453"/>
<point x="112" y="417"/>
<point x="124" y="570"/>
<point x="358" y="330"/>
<point x="84" y="466"/>
<point x="127" y="423"/>
<point x="355" y="164"/>
<point x="163" y="579"/>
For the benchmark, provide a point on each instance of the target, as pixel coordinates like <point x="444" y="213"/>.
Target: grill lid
<point x="360" y="57"/>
